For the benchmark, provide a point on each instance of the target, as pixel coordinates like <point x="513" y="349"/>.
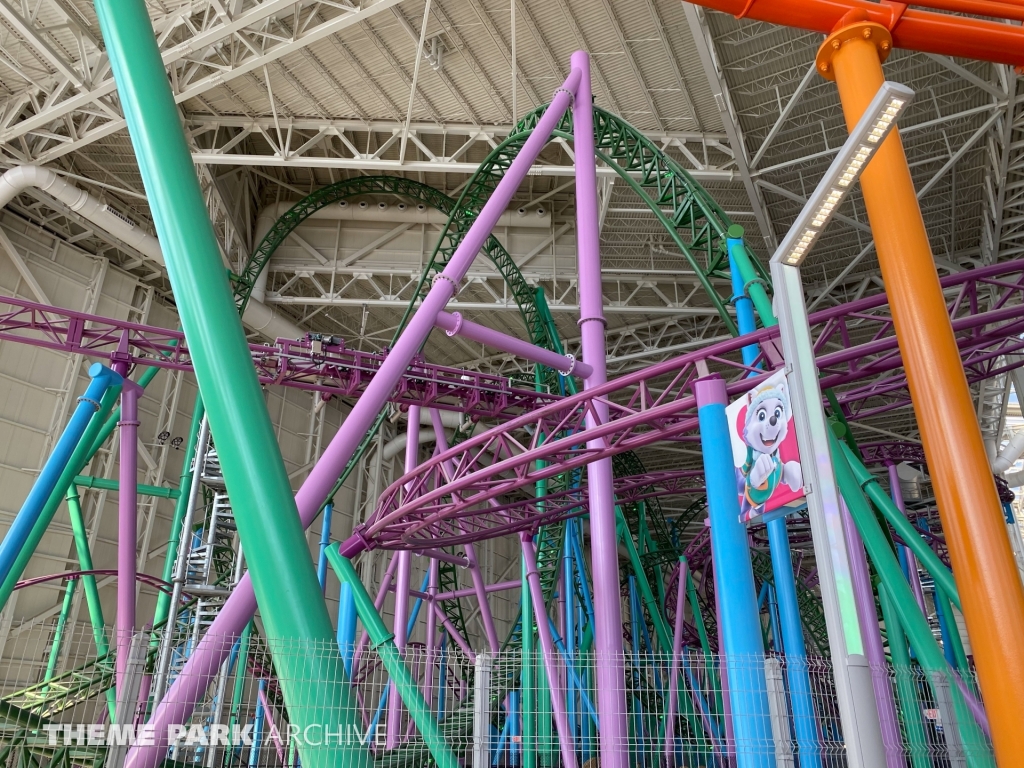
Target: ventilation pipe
<point x="1009" y="455"/>
<point x="396" y="445"/>
<point x="257" y="316"/>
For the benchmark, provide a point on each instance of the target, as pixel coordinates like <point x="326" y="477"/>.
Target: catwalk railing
<point x="677" y="707"/>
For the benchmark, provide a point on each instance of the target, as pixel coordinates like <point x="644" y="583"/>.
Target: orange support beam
<point x="910" y="28"/>
<point x="972" y="517"/>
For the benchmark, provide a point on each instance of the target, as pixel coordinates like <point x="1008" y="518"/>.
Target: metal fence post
<point x="482" y="710"/>
<point x="778" y="710"/>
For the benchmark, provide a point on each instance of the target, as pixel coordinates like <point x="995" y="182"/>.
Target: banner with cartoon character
<point x="764" y="449"/>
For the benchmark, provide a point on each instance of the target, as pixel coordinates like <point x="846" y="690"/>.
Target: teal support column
<point x="739" y="625"/>
<point x="907" y="613"/>
<point x="906" y="687"/>
<point x="78" y="459"/>
<point x="58" y="632"/>
<point x="747" y="285"/>
<point x="17" y="546"/>
<point x="298" y="628"/>
<point x="92" y="593"/>
<point x="384" y="643"/>
<point x="103" y="484"/>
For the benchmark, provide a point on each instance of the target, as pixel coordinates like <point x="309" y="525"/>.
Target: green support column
<point x="384" y="643"/>
<point x="239" y="687"/>
<point x="906" y="688"/>
<point x="58" y="632"/>
<point x="78" y="459"/>
<point x="92" y="594"/>
<point x="753" y="284"/>
<point x="298" y="628"/>
<point x="906" y="611"/>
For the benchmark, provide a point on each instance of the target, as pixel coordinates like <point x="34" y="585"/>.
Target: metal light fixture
<point x="854" y="689"/>
<point x="879" y="118"/>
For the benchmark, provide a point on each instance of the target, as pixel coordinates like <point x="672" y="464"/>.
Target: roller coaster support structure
<point x="739" y="624"/>
<point x="746" y="285"/>
<point x="241" y="605"/>
<point x="611" y="692"/>
<point x="972" y="518"/>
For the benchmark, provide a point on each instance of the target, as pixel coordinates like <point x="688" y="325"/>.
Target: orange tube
<point x="1001" y="10"/>
<point x="972" y="517"/>
<point x="912" y="29"/>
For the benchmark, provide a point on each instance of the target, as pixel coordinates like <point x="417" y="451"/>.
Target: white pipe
<point x="1009" y="455"/>
<point x="449" y="419"/>
<point x="257" y="316"/>
<point x="1015" y="479"/>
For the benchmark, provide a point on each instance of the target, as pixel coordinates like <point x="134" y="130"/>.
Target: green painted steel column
<point x="906" y="688"/>
<point x="660" y="625"/>
<point x="910" y="535"/>
<point x="906" y="611"/>
<point x="92" y="594"/>
<point x="384" y="643"/>
<point x="78" y="459"/>
<point x="298" y="628"/>
<point x="240" y="670"/>
<point x="163" y="600"/>
<point x="753" y="284"/>
<point x="58" y="632"/>
<point x="103" y="484"/>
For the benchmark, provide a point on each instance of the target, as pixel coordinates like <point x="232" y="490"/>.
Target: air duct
<point x="257" y="316"/>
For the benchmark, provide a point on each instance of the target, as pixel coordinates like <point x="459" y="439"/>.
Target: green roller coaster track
<point x="697" y="225"/>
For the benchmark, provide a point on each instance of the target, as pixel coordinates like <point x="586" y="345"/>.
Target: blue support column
<point x="102" y="378"/>
<point x="346" y="626"/>
<point x="804" y="723"/>
<point x="257" y="728"/>
<point x="782" y="562"/>
<point x="325" y="540"/>
<point x="744" y="306"/>
<point x="734" y="584"/>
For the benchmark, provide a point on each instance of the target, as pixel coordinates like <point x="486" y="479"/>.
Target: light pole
<point x="854" y="689"/>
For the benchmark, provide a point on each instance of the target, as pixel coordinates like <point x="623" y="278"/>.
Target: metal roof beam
<point x="706" y="51"/>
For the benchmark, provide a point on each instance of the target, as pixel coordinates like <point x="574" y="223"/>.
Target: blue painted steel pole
<point x="346" y="626"/>
<point x="325" y="540"/>
<point x="257" y="728"/>
<point x="782" y="561"/>
<point x="734" y="583"/>
<point x="102" y="378"/>
<point x="793" y="641"/>
<point x="744" y="306"/>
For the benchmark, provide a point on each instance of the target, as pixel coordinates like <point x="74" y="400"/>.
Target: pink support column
<point x="547" y="647"/>
<point x="127" y="522"/>
<point x="428" y="672"/>
<point x="402" y="585"/>
<point x="611" y="673"/>
<point x="914" y="576"/>
<point x="204" y="664"/>
<point x="675" y="664"/>
<point x="479" y="585"/>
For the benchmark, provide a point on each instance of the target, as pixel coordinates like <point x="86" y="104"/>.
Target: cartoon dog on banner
<point x="766" y="467"/>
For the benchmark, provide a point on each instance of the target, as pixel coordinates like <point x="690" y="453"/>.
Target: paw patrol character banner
<point x="764" y="449"/>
